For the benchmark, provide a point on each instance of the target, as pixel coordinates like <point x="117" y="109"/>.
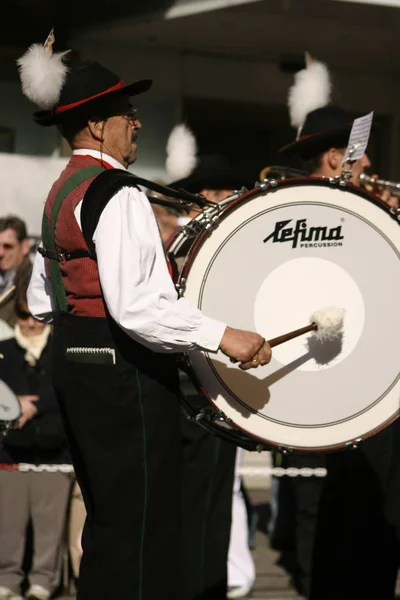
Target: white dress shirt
<point x="134" y="277"/>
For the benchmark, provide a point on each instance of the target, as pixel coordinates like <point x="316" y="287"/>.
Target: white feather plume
<point x="181" y="153"/>
<point x="329" y="322"/>
<point x="311" y="90"/>
<point x="42" y="73"/>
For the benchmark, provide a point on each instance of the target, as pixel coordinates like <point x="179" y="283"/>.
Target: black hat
<point x="213" y="172"/>
<point x="61" y="91"/>
<point x="86" y="82"/>
<point x="325" y="127"/>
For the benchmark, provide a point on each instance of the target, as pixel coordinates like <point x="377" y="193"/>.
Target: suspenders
<point x="48" y="232"/>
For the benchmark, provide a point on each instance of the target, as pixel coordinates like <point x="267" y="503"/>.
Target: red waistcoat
<point x="80" y="276"/>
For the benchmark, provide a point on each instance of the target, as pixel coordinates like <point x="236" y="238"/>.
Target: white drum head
<point x="10" y="409"/>
<point x="268" y="265"/>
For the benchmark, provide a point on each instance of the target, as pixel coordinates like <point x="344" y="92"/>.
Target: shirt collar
<point x="99" y="155"/>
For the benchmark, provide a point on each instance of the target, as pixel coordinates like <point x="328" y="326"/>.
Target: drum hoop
<point x="261" y="444"/>
<point x="268" y="444"/>
<point x="254" y="193"/>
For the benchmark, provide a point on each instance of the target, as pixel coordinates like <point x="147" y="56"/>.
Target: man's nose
<point x="138" y="124"/>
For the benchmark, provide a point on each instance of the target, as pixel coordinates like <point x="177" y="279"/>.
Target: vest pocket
<point x="91" y="355"/>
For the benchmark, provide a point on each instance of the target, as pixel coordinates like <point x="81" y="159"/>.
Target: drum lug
<point x="337" y="180"/>
<point x="5" y="426"/>
<point x="267" y="184"/>
<point x="195" y="227"/>
<point x="285" y="450"/>
<point x="263" y="185"/>
<point x="221" y="416"/>
<point x="395" y="212"/>
<point x="181" y="287"/>
<point x="201" y="416"/>
<point x="354" y="444"/>
<point x="236" y="193"/>
<point x="341" y="180"/>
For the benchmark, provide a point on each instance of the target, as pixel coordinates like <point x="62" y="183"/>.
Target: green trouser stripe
<point x="144" y="437"/>
<point x="48" y="233"/>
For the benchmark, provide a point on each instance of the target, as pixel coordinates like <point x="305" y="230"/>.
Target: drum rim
<point x="268" y="444"/>
<point x="258" y="191"/>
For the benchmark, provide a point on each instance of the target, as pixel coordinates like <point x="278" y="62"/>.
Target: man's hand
<point x="249" y="348"/>
<point x="262" y="358"/>
<point x="29" y="409"/>
<point x="389" y="199"/>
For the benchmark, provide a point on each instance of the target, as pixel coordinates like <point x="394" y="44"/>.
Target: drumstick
<point x="327" y="324"/>
<point x="281" y="339"/>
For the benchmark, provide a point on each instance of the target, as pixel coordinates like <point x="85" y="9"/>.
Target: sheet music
<point x="359" y="137"/>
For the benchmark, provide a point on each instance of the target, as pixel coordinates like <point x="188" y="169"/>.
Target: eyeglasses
<point x="130" y="114"/>
<point x="24" y="315"/>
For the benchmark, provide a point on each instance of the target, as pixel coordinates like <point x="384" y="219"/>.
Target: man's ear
<point x="334" y="158"/>
<point x="96" y="128"/>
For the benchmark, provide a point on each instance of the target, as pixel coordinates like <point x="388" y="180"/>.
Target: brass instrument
<point x="370" y="183"/>
<point x="374" y="185"/>
<point x="278" y="172"/>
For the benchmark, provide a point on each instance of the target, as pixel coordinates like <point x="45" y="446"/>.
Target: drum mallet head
<point x="326" y="324"/>
<point x="329" y="322"/>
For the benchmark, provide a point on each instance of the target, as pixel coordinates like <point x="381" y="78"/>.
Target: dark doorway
<point x="247" y="134"/>
<point x="250" y="135"/>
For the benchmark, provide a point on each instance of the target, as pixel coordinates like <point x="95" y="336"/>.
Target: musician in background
<point x="344" y="545"/>
<point x="323" y="129"/>
<point x="322" y="144"/>
<point x="208" y="462"/>
<point x="322" y="152"/>
<point x="14" y="251"/>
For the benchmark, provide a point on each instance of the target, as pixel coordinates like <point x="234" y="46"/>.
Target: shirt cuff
<point x="210" y="334"/>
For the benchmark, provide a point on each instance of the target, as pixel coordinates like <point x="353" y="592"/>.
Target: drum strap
<point x="104" y="187"/>
<point x="97" y="196"/>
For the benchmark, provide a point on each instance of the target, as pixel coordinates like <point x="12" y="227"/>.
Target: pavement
<point x="272" y="583"/>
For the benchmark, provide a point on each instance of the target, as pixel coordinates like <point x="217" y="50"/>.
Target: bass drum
<point x="265" y="262"/>
<point x="10" y="409"/>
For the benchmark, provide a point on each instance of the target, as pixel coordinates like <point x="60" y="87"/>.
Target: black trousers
<point x="207" y="487"/>
<point x="122" y="422"/>
<point x="392" y="494"/>
<point x="355" y="551"/>
<point x="296" y="523"/>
